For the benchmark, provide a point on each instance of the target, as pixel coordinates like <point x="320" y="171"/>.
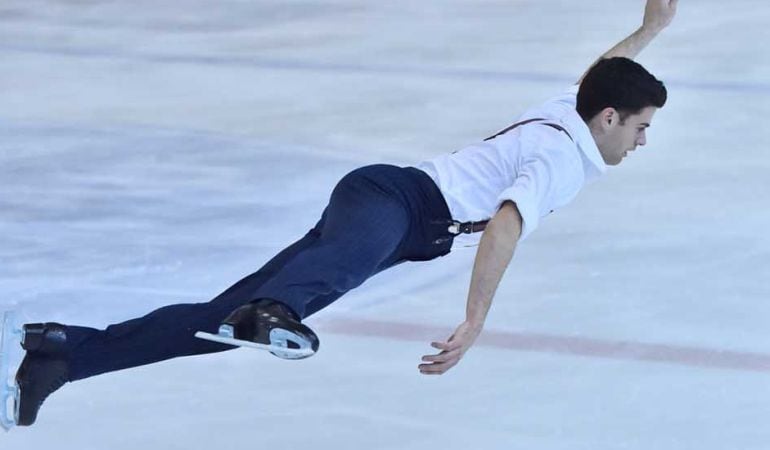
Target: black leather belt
<point x="456" y="227"/>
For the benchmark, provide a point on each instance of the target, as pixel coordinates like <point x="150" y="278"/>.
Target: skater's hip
<point x="427" y="236"/>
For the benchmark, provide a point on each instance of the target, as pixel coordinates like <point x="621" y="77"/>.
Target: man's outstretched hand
<point x="451" y="351"/>
<point x="658" y="14"/>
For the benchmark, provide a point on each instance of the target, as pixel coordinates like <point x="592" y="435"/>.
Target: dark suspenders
<point x="457" y="227"/>
<point x="524" y="122"/>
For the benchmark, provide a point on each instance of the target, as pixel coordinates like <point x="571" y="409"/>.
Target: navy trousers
<point x="378" y="216"/>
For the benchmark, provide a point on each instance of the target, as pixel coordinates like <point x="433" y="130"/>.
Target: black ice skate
<point x="43" y="370"/>
<point x="266" y="325"/>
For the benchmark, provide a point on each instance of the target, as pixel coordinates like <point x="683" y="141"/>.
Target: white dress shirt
<point x="538" y="167"/>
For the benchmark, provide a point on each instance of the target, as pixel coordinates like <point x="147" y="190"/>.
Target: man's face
<point x="622" y="136"/>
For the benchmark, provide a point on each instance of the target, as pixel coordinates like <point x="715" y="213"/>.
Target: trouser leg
<point x="167" y="332"/>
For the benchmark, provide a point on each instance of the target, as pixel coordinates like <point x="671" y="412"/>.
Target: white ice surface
<point x="154" y="152"/>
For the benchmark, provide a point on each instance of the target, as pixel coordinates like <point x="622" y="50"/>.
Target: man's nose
<point x="642" y="140"/>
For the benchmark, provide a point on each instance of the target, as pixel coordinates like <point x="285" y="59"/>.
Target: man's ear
<point x="609" y="117"/>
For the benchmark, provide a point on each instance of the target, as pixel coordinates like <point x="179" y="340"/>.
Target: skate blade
<point x="279" y="351"/>
<point x="9" y="392"/>
<point x="10" y="405"/>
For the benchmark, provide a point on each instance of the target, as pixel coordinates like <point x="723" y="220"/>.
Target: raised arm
<point x="657" y="15"/>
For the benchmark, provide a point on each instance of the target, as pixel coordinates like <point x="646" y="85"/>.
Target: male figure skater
<point x="493" y="193"/>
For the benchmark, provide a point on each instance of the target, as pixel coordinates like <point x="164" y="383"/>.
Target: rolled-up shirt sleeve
<point x="544" y="182"/>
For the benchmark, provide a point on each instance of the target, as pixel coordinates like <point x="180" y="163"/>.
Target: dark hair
<point x="618" y="83"/>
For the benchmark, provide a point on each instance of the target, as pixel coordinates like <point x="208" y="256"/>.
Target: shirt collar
<point x="592" y="159"/>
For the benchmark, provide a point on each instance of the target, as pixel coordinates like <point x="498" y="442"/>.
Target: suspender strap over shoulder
<point x="524" y="122"/>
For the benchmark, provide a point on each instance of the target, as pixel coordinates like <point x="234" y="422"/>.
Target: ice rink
<point x="155" y="152"/>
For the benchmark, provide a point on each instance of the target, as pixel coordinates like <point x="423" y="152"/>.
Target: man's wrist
<point x="649" y="31"/>
<point x="476" y="323"/>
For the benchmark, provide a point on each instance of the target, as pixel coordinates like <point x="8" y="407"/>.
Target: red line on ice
<point x="570" y="345"/>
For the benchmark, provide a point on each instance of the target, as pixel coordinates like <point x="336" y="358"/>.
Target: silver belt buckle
<point x="454" y="228"/>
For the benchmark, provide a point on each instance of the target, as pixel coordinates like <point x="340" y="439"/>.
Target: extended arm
<point x="493" y="256"/>
<point x="657" y="15"/>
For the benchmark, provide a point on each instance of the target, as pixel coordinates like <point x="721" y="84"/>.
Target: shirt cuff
<point x="526" y="205"/>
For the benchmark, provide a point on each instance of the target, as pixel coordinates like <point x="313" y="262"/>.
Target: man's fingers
<point x="436" y="368"/>
<point x="440" y="345"/>
<point x="441" y="357"/>
<point x="451" y="352"/>
<point x="441" y="362"/>
<point x="435" y="358"/>
<point x="446" y="346"/>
